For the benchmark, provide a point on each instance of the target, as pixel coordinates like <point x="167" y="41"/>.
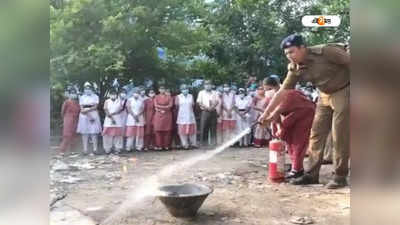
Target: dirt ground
<point x="87" y="189"/>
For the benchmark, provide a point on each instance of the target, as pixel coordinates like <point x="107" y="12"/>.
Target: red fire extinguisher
<point x="276" y="171"/>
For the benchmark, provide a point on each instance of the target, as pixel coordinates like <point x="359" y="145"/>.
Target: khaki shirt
<point x="326" y="66"/>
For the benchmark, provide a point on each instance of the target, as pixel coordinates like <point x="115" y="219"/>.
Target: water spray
<point x="150" y="187"/>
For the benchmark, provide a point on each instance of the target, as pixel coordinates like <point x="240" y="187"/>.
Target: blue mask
<point x="87" y="91"/>
<point x="185" y="91"/>
<point x="73" y="96"/>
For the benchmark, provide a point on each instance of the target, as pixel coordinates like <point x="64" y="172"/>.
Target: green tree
<point x="246" y="34"/>
<point x="222" y="40"/>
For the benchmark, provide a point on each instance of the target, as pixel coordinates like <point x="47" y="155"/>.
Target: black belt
<point x="343" y="86"/>
<point x="87" y="106"/>
<point x="242" y="110"/>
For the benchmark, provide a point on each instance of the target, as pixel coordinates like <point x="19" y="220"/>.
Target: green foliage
<point x="222" y="40"/>
<point x="103" y="39"/>
<point x="246" y="34"/>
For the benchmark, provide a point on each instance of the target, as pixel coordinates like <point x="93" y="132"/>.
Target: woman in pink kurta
<point x="70" y="113"/>
<point x="162" y="120"/>
<point x="149" y="114"/>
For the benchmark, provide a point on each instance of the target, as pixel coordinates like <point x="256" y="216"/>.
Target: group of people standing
<point x="159" y="121"/>
<point x="146" y="120"/>
<point x="150" y="121"/>
<point x="282" y="111"/>
<point x="226" y="111"/>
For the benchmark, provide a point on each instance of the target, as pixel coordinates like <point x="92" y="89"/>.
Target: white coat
<point x="136" y="106"/>
<point x="185" y="112"/>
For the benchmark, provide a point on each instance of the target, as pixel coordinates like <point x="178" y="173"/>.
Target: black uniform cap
<point x="292" y="40"/>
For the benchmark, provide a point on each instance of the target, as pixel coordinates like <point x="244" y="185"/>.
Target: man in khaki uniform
<point x="328" y="68"/>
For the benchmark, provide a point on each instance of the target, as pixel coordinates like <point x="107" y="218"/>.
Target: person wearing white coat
<point x="135" y="122"/>
<point x="89" y="120"/>
<point x="113" y="123"/>
<point x="228" y="113"/>
<point x="186" y="120"/>
<point x="124" y="113"/>
<point x="242" y="106"/>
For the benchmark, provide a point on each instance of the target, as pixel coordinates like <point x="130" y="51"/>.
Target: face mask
<point x="185" y="92"/>
<point x="143" y="93"/>
<point x="73" y="96"/>
<point x="87" y="91"/>
<point x="207" y="87"/>
<point x="162" y="91"/>
<point x="113" y="97"/>
<point x="234" y="92"/>
<point x="136" y="95"/>
<point x="241" y="95"/>
<point x="151" y="95"/>
<point x="123" y="95"/>
<point x="226" y="89"/>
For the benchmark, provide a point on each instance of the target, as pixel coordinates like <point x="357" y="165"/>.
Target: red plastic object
<point x="276" y="171"/>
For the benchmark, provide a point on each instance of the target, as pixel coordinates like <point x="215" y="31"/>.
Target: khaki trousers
<point x="332" y="113"/>
<point x="328" y="149"/>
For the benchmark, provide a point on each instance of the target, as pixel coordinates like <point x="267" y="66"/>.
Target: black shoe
<point x="336" y="183"/>
<point x="288" y="167"/>
<point x="304" y="180"/>
<point x="293" y="174"/>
